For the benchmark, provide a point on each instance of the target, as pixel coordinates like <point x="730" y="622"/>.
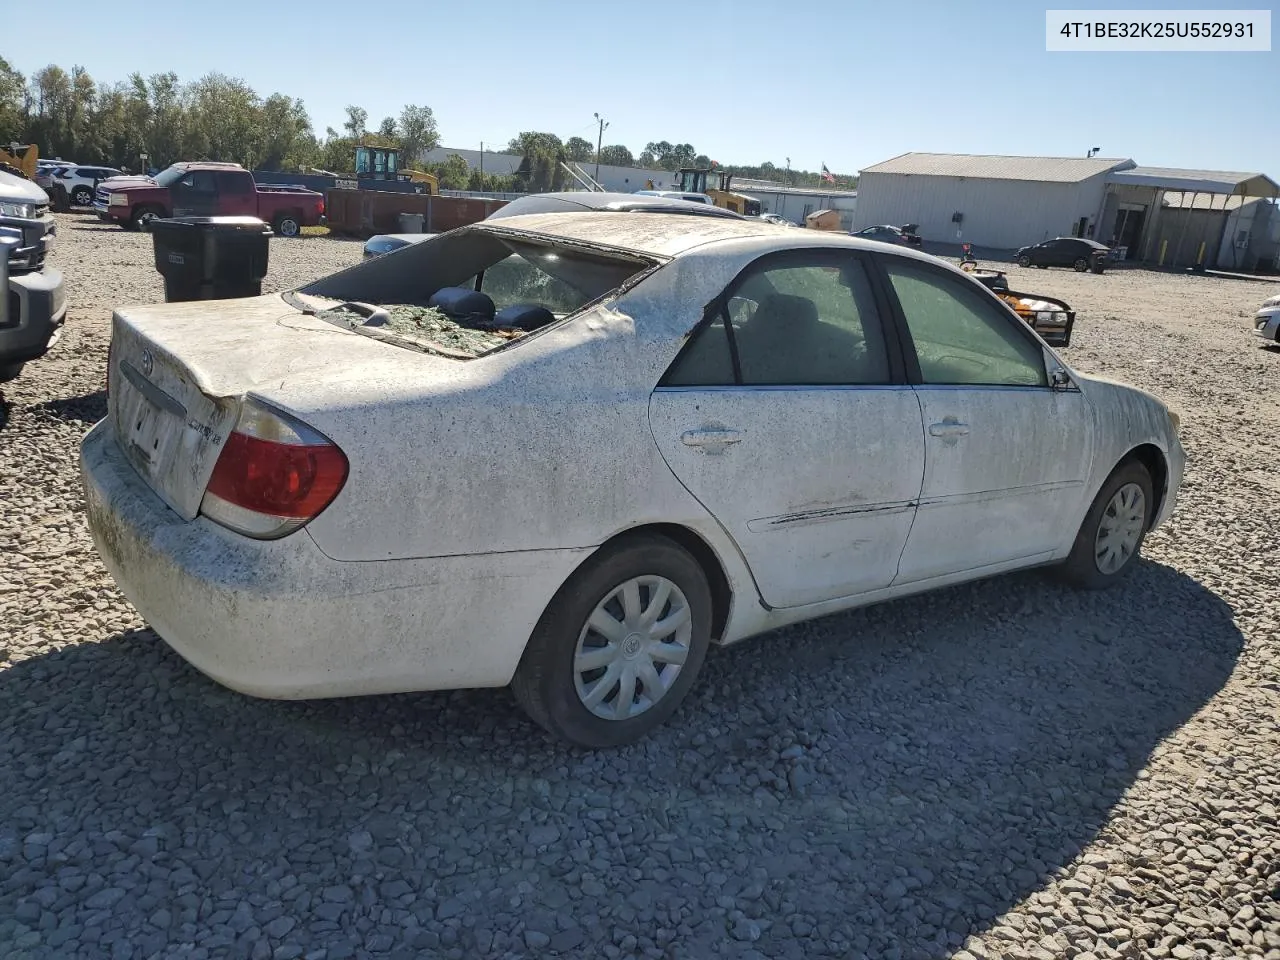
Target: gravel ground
<point x="1005" y="769"/>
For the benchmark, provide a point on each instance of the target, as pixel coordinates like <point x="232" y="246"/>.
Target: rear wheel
<point x="619" y="646"/>
<point x="1111" y="536"/>
<point x="81" y="197"/>
<point x="288" y="225"/>
<point x="1081" y="265"/>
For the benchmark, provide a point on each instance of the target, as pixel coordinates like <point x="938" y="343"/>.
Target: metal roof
<point x="1198" y="181"/>
<point x="1051" y="169"/>
<point x="1203" y="201"/>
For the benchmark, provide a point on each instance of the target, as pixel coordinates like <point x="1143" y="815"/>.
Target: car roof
<point x="669" y="235"/>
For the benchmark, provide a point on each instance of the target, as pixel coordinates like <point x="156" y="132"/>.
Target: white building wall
<point x="1003" y="214"/>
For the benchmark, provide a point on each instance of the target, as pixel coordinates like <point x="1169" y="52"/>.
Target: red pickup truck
<point x="207" y="190"/>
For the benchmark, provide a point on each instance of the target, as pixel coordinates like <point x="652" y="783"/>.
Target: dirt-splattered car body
<point x="473" y="489"/>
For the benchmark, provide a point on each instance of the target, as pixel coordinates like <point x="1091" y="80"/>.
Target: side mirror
<point x="1059" y="379"/>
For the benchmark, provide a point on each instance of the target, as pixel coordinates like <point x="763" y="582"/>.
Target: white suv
<point x="80" y="182"/>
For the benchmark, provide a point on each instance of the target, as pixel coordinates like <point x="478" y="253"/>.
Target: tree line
<point x="217" y="117"/>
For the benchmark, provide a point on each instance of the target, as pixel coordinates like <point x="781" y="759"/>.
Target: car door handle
<point x="710" y="438"/>
<point x="950" y="427"/>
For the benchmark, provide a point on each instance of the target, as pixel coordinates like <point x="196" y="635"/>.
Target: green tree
<point x="388" y="129"/>
<point x="13" y="95"/>
<point x="579" y="150"/>
<point x="454" y="174"/>
<point x="617" y="156"/>
<point x="418" y="132"/>
<point x="355" y="124"/>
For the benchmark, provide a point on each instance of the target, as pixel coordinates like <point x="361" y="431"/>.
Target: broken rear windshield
<point x="468" y="292"/>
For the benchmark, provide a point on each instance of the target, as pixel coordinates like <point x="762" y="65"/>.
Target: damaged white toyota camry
<point x="568" y="452"/>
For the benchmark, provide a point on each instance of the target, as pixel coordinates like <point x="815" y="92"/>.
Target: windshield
<point x="169" y="175"/>
<point x="469" y="291"/>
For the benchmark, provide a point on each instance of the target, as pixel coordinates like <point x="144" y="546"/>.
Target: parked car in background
<point x="32" y="298"/>
<point x="775" y="219"/>
<point x="1267" y="323"/>
<point x="567" y="202"/>
<point x="207" y="190"/>
<point x="1076" y="252"/>
<point x="678" y="195"/>
<point x="79" y="182"/>
<point x="47" y="170"/>
<point x="376" y="246"/>
<point x="641" y="201"/>
<point x="884" y="233"/>
<point x="286" y="503"/>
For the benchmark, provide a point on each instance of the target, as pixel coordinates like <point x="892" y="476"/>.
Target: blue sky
<point x="848" y="83"/>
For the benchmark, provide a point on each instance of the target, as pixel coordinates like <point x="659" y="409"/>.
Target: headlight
<point x="118" y="200"/>
<point x="25" y="211"/>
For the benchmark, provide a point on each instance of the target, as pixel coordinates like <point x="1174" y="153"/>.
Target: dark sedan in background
<point x="1075" y="252"/>
<point x="904" y="236"/>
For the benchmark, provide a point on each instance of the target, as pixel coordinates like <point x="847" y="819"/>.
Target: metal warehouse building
<point x="1003" y="203"/>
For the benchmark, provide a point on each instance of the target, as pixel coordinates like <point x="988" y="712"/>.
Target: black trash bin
<point x="211" y="258"/>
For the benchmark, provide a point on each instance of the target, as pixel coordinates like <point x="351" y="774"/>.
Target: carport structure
<point x="1170" y="217"/>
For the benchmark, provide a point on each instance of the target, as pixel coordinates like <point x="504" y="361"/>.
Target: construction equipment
<point x="383" y="163"/>
<point x="22" y="157"/>
<point x="694" y="180"/>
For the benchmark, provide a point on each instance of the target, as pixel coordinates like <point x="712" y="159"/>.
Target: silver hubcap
<point x="1120" y="529"/>
<point x="146" y="217"/>
<point x="288" y="228"/>
<point x="632" y="648"/>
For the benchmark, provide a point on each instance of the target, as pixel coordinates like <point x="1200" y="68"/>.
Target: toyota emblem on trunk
<point x="148" y="362"/>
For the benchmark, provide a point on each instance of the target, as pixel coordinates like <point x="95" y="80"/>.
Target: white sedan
<point x="568" y="452"/>
<point x="1267" y="323"/>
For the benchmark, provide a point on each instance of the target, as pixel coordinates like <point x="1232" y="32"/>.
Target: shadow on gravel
<point x="5" y="408"/>
<point x="88" y="408"/>
<point x="879" y="784"/>
<point x="96" y="227"/>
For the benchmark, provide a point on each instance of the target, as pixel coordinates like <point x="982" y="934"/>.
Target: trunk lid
<point x="179" y="372"/>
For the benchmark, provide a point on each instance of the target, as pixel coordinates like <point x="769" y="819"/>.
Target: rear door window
<point x="809" y="320"/>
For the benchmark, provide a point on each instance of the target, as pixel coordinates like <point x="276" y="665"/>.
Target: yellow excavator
<point x="23" y="156"/>
<point x="694" y="180"/>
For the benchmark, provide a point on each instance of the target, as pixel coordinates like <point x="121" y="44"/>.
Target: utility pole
<point x="788" y="171"/>
<point x="599" y="141"/>
<point x="481" y="159"/>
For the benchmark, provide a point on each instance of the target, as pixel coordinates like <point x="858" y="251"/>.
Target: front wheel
<point x="1111" y="536"/>
<point x="143" y="217"/>
<point x="619" y="646"/>
<point x="81" y="197"/>
<point x="1024" y="261"/>
<point x="288" y="226"/>
<point x="10" y="371"/>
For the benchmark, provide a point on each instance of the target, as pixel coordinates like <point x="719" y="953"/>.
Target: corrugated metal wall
<point x="1002" y="214"/>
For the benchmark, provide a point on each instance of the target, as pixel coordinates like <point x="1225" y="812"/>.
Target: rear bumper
<point x="281" y="620"/>
<point x="32" y="312"/>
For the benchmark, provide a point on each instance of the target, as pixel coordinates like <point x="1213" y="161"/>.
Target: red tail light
<point x="274" y="475"/>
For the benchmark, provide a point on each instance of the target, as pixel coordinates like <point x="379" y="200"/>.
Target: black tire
<point x="1081" y="569"/>
<point x="81" y="197"/>
<point x="287" y="225"/>
<point x="544" y="681"/>
<point x="1024" y="261"/>
<point x="142" y="216"/>
<point x="1081" y="265"/>
<point x="10" y="371"/>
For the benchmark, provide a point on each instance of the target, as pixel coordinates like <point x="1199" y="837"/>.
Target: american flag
<point x="827" y="175"/>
